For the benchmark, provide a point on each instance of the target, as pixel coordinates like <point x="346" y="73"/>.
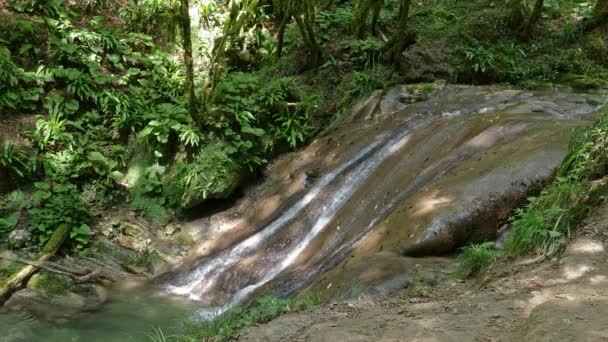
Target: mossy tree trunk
<point x="600" y="16"/>
<point x="16" y="281"/>
<point x="403" y="37"/>
<point x="188" y="59"/>
<point x="533" y="19"/>
<point x="361" y="14"/>
<point x="281" y="34"/>
<point x="517" y="17"/>
<point x="303" y="11"/>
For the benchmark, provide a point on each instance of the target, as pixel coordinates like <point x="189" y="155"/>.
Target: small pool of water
<point x="129" y="315"/>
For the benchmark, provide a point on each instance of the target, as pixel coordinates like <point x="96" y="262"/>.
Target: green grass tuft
<point x="475" y="258"/>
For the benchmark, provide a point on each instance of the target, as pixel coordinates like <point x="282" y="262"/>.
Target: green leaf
<point x="41" y="196"/>
<point x="9" y="222"/>
<point x="258" y="132"/>
<point x="117" y="175"/>
<point x="96" y="156"/>
<point x="42" y="186"/>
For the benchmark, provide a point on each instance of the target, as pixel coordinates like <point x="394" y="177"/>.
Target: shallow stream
<point x="130" y="315"/>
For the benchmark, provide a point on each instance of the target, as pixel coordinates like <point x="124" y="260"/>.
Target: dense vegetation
<point x="161" y="105"/>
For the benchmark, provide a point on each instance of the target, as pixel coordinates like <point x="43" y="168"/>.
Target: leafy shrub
<point x="8" y="223"/>
<point x="14" y="201"/>
<point x="368" y="80"/>
<point x="58" y="204"/>
<point x="255" y="115"/>
<point x="148" y="196"/>
<point x="13" y="159"/>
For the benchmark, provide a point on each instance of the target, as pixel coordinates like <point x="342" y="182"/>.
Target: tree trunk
<point x="517" y="18"/>
<point x="377" y="6"/>
<point x="534" y="17"/>
<point x="360" y="18"/>
<point x="17" y="280"/>
<point x="600" y="16"/>
<point x="309" y="39"/>
<point x="315" y="49"/>
<point x="402" y="38"/>
<point x="188" y="60"/>
<point x="281" y="34"/>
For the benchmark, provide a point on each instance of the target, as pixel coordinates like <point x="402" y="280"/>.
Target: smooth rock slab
<point x="400" y="178"/>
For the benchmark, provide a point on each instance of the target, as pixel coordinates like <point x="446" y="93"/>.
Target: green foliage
<point x="480" y="59"/>
<point x="257" y="115"/>
<point x="13" y="159"/>
<point x="474" y="258"/>
<point x="14" y="201"/>
<point x="212" y="174"/>
<point x="368" y="80"/>
<point x="8" y="223"/>
<point x="226" y="327"/>
<point x="549" y="219"/>
<point x="81" y="235"/>
<point x="58" y="204"/>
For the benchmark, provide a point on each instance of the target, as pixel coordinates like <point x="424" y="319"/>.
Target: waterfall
<point x="200" y="281"/>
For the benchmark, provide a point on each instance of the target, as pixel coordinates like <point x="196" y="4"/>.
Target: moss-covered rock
<point x="213" y="175"/>
<point x="581" y="82"/>
<point x="55" y="297"/>
<point x="50" y="284"/>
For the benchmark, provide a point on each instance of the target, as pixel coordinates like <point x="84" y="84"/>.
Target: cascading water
<point x="199" y="282"/>
<point x="427" y="175"/>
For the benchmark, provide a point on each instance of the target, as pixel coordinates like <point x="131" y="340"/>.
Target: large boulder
<point x="213" y="175"/>
<point x="404" y="177"/>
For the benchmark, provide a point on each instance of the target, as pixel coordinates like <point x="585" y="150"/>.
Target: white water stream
<point x="201" y="280"/>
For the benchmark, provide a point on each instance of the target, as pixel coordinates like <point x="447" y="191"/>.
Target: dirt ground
<point x="563" y="299"/>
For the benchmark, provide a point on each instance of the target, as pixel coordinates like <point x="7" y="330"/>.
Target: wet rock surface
<point x="404" y="174"/>
<point x="564" y="299"/>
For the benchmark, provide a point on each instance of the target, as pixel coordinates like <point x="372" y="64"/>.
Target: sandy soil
<point x="563" y="299"/>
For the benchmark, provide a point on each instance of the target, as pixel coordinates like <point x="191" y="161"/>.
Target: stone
<point x="172" y="228"/>
<point x="19" y="238"/>
<point x="56" y="298"/>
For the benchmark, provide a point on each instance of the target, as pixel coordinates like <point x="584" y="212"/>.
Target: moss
<point x="9" y="268"/>
<point x="595" y="47"/>
<point x="56" y="240"/>
<point x="50" y="284"/>
<point x="582" y="82"/>
<point x="417" y="290"/>
<point x="184" y="238"/>
<point x="536" y="85"/>
<point x="213" y="175"/>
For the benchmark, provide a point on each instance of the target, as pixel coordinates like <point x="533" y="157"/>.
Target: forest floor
<point x="561" y="299"/>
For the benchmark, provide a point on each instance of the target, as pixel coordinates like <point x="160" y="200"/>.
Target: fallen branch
<point x="17" y="280"/>
<point x="79" y="275"/>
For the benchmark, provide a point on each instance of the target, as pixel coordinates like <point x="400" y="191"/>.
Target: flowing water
<point x="364" y="173"/>
<point x="393" y="179"/>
